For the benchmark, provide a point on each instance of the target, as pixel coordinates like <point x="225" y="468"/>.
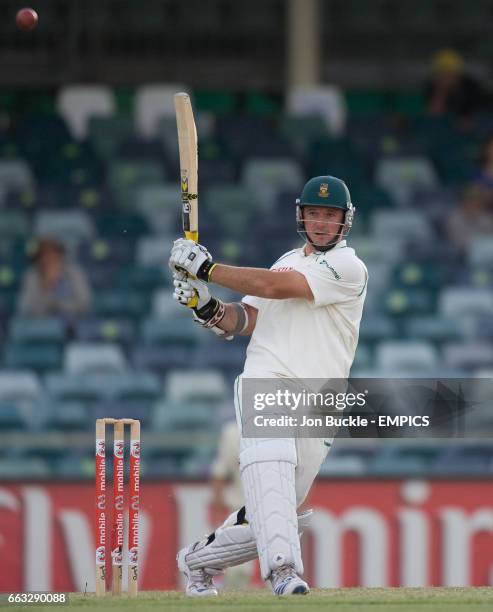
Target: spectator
<point x="471" y="218"/>
<point x="484" y="177"/>
<point x="450" y="90"/>
<point x="54" y="285"/>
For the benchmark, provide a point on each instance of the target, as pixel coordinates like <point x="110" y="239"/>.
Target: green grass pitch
<point x="330" y="600"/>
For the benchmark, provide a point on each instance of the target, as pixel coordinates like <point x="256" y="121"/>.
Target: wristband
<point x="204" y="272"/>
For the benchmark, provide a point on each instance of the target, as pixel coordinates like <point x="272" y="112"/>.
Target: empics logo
<point x="323" y="191"/>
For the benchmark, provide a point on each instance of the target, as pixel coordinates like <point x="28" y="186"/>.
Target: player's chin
<point x="320" y="240"/>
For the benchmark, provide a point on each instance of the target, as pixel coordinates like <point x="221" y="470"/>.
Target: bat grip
<point x="193" y="301"/>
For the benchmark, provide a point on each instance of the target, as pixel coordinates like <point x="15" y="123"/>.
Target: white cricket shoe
<point x="199" y="582"/>
<point x="285" y="581"/>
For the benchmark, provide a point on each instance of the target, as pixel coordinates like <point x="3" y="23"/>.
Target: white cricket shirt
<point x="297" y="338"/>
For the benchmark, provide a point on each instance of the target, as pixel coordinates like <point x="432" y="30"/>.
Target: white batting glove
<point x="192" y="258"/>
<point x="186" y="288"/>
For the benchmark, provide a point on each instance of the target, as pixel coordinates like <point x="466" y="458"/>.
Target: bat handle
<point x="193" y="301"/>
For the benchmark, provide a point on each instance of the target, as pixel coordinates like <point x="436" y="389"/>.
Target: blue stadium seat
<point x="37" y="331"/>
<point x="434" y="328"/>
<point x="465" y="302"/>
<point x="24" y="468"/>
<point x="71" y="415"/>
<point x="204" y="385"/>
<point x="465" y="460"/>
<point x="469" y="356"/>
<point x="189" y="416"/>
<point x="106" y="330"/>
<point x="179" y="332"/>
<point x="88" y="357"/>
<point x="41" y="359"/>
<point x="413" y="357"/>
<point x="160" y="359"/>
<point x="81" y="388"/>
<point x="11" y="417"/>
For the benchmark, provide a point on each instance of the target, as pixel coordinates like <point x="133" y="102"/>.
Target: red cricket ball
<point x="26" y="19"/>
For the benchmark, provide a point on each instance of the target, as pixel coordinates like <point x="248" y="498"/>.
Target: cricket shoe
<point x="199" y="581"/>
<point x="285" y="581"/>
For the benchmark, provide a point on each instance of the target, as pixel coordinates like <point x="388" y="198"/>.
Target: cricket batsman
<point x="303" y="316"/>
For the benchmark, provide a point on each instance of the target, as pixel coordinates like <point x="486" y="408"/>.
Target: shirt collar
<point x="339" y="245"/>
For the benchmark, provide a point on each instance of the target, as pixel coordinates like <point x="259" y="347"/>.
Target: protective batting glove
<point x="186" y="288"/>
<point x="192" y="258"/>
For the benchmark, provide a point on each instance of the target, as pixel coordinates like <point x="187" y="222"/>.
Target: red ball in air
<point x="26" y="19"/>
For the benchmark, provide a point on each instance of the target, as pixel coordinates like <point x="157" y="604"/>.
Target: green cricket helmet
<point x="329" y="192"/>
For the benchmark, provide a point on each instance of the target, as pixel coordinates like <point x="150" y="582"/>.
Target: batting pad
<point x="232" y="545"/>
<point x="268" y="476"/>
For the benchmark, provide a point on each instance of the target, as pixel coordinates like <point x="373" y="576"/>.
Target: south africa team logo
<point x="323" y="191"/>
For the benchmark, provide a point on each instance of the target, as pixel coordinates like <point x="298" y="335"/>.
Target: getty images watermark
<point x="366" y="408"/>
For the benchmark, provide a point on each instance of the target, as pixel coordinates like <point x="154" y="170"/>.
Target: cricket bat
<point x="188" y="147"/>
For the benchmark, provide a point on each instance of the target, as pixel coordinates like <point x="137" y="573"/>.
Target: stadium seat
<point x="106" y="133"/>
<point x="78" y="103"/>
<point x="469" y="356"/>
<point x="378" y="327"/>
<point x="196" y="385"/>
<point x="186" y="415"/>
<point x="480" y="252"/>
<point x="40" y="358"/>
<point x="164" y="305"/>
<point x="124" y="176"/>
<point x="232" y="208"/>
<point x="400" y="225"/>
<point x="81" y="357"/>
<point x="409" y="302"/>
<point x="327" y="101"/>
<point x="405" y="460"/>
<point x="159" y="359"/>
<point x="171" y="332"/>
<point x="20" y="392"/>
<point x="264" y="178"/>
<point x="36" y="331"/>
<point x="134" y="386"/>
<point x="434" y="328"/>
<point x="370" y="250"/>
<point x="154" y="250"/>
<point x="15" y="175"/>
<point x="413" y="357"/>
<point x="151" y="103"/>
<point x="400" y="176"/>
<point x="465" y="460"/>
<point x="105" y="330"/>
<point x="459" y="302"/>
<point x="71" y="415"/>
<point x="118" y="304"/>
<point x="82" y="388"/>
<point x="11" y="417"/>
<point x="23" y="468"/>
<point x="158" y="204"/>
<point x="302" y="131"/>
<point x="69" y="227"/>
<point x="13" y="224"/>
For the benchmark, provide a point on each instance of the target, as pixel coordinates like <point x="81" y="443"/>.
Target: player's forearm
<point x="248" y="281"/>
<point x="237" y="320"/>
